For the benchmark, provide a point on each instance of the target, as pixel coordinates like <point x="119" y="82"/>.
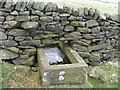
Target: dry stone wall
<point x="26" y="26"/>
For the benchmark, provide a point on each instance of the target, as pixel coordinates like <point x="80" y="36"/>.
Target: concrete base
<point x="65" y="73"/>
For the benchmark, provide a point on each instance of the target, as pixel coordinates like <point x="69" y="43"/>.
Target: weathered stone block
<point x="78" y="23"/>
<point x="34" y="18"/>
<point x="18" y="32"/>
<point x="69" y="28"/>
<point x="29" y="25"/>
<point x="9" y="18"/>
<point x="30" y="51"/>
<point x="97" y="47"/>
<point x="3" y="36"/>
<point x="39" y="6"/>
<point x="8" y="43"/>
<point x="9" y="24"/>
<point x="22" y="18"/>
<point x="36" y="12"/>
<point x="6" y="54"/>
<point x="79" y="48"/>
<point x="91" y="23"/>
<point x="61" y="74"/>
<point x="46" y="18"/>
<point x="30" y="43"/>
<point x="84" y="30"/>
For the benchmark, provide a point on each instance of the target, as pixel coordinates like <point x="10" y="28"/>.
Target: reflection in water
<point x="55" y="56"/>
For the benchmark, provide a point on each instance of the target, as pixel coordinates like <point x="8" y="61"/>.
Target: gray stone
<point x="63" y="18"/>
<point x="19" y="61"/>
<point x="108" y="55"/>
<point x="14" y="13"/>
<point x="9" y="18"/>
<point x="86" y="11"/>
<point x="25" y="13"/>
<point x="22" y="18"/>
<point x="97" y="14"/>
<point x="67" y="9"/>
<point x="64" y="15"/>
<point x="30" y="51"/>
<point x="1" y="18"/>
<point x="102" y="16"/>
<point x="19" y="38"/>
<point x="13" y="49"/>
<point x="51" y="7"/>
<point x="46" y="18"/>
<point x="56" y="18"/>
<point x="78" y="23"/>
<point x="84" y="54"/>
<point x="71" y="18"/>
<point x="81" y="12"/>
<point x="97" y="47"/>
<point x="39" y="6"/>
<point x="88" y="36"/>
<point x="79" y="48"/>
<point x="29" y="25"/>
<point x="75" y="12"/>
<point x="96" y="72"/>
<point x="50" y="27"/>
<point x="8" y="4"/>
<point x="81" y="43"/>
<point x="18" y="5"/>
<point x="69" y="28"/>
<point x="3" y="36"/>
<point x="23" y="5"/>
<point x="65" y="22"/>
<point x="8" y="43"/>
<point x="36" y="12"/>
<point x="9" y="24"/>
<point x="34" y="18"/>
<point x="95" y="29"/>
<point x="6" y="54"/>
<point x="2" y="30"/>
<point x="30" y="61"/>
<point x="95" y="56"/>
<point x="73" y="34"/>
<point x="84" y="30"/>
<point x="92" y="23"/>
<point x="18" y="32"/>
<point x="58" y="29"/>
<point x="91" y="11"/>
<point x="30" y="43"/>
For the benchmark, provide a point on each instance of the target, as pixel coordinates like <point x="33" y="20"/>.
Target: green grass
<point x="22" y="78"/>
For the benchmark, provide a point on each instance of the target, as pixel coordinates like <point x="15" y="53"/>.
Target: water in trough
<point x="56" y="56"/>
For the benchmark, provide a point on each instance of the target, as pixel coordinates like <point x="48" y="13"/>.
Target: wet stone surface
<point x="56" y="56"/>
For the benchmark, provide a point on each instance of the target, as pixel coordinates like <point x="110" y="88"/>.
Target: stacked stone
<point x="25" y="26"/>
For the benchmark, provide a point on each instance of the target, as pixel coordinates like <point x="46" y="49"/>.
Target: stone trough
<point x="60" y="64"/>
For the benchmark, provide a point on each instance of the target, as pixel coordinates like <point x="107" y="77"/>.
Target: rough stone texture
<point x="78" y="23"/>
<point x="88" y="30"/>
<point x="8" y="43"/>
<point x="46" y="18"/>
<point x="6" y="54"/>
<point x="39" y="5"/>
<point x="29" y="25"/>
<point x="84" y="30"/>
<point x="9" y="24"/>
<point x="69" y="28"/>
<point x="79" y="48"/>
<point x="18" y="32"/>
<point x="3" y="36"/>
<point x="22" y="18"/>
<point x="92" y="23"/>
<point x="32" y="43"/>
